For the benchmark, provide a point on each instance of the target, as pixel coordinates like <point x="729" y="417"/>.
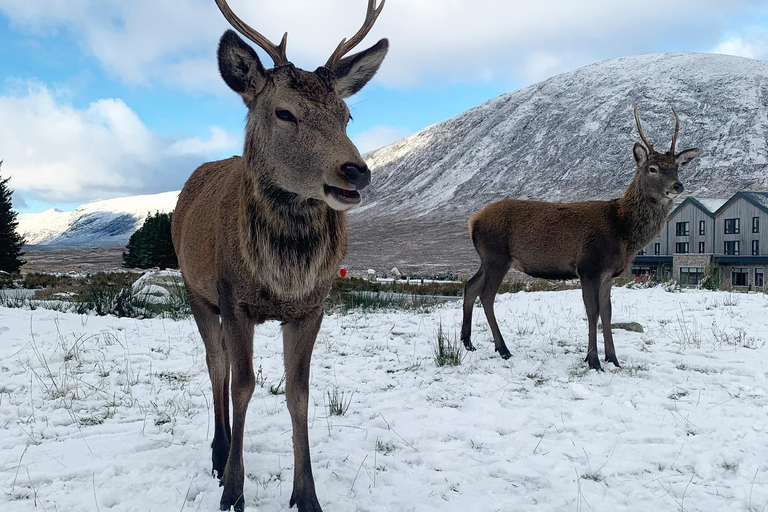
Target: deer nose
<point x="678" y="187"/>
<point x="358" y="176"/>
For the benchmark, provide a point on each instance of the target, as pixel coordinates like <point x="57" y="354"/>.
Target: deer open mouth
<point x="342" y="195"/>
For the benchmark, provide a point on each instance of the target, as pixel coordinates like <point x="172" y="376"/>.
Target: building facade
<point x="724" y="238"/>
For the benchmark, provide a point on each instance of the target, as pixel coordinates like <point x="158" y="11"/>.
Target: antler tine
<point x="677" y="130"/>
<point x="276" y="52"/>
<point x="345" y="46"/>
<point x="640" y="131"/>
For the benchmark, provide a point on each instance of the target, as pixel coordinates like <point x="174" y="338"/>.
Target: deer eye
<point x="285" y="115"/>
<point x="653" y="169"/>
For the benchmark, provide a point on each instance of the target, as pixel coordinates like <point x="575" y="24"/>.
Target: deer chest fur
<point x="291" y="247"/>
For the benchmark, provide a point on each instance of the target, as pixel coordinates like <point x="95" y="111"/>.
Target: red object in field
<point x="343" y="272"/>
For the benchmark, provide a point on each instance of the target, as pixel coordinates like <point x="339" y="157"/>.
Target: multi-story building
<point x="703" y="235"/>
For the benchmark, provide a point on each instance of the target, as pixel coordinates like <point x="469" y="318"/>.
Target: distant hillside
<point x="567" y="138"/>
<point x="97" y="224"/>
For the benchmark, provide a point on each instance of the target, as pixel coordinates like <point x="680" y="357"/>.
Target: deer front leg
<point x="605" y="317"/>
<point x="218" y="370"/>
<point x="238" y="339"/>
<point x="590" y="292"/>
<point x="298" y="342"/>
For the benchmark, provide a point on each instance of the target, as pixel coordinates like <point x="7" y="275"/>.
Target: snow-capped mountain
<point x="570" y="137"/>
<point x="567" y="138"/>
<point x="97" y="224"/>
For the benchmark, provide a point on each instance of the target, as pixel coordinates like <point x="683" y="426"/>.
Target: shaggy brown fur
<point x="594" y="241"/>
<point x="261" y="237"/>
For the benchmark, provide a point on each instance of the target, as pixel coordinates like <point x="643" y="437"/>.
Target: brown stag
<point x="594" y="241"/>
<point x="261" y="237"/>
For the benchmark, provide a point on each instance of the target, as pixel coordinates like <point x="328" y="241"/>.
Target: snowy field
<point x="100" y="413"/>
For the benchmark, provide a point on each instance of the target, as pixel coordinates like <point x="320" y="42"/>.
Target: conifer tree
<point x="152" y="246"/>
<point x="11" y="241"/>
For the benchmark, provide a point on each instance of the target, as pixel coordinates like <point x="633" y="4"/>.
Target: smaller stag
<point x="593" y="240"/>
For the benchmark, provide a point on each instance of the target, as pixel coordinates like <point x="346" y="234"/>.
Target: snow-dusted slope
<point x="97" y="224"/>
<point x="570" y="137"/>
<point x="567" y="138"/>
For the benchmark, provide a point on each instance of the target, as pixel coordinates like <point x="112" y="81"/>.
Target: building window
<point x="691" y="275"/>
<point x="755" y="247"/>
<point x="755" y="224"/>
<point x="681" y="247"/>
<point x="732" y="248"/>
<point x="701" y="247"/>
<point x="739" y="276"/>
<point x="643" y="272"/>
<point x="759" y="277"/>
<point x="641" y="252"/>
<point x="681" y="229"/>
<point x="657" y="249"/>
<point x="732" y="226"/>
<point x="702" y="227"/>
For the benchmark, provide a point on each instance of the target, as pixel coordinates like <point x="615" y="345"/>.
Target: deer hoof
<point x="469" y="346"/>
<point x="613" y="360"/>
<point x="305" y="504"/>
<point x="594" y="363"/>
<point x="231" y="498"/>
<point x="504" y="352"/>
<point x="239" y="505"/>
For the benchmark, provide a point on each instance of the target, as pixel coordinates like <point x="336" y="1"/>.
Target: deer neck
<point x="643" y="216"/>
<point x="291" y="245"/>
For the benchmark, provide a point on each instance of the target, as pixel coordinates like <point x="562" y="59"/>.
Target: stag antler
<point x="642" y="135"/>
<point x="677" y="130"/>
<point x="276" y="52"/>
<point x="345" y="46"/>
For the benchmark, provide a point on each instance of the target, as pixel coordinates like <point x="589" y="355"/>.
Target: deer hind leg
<point x="471" y="290"/>
<point x="494" y="275"/>
<point x="298" y="342"/>
<point x="605" y="318"/>
<point x="207" y="319"/>
<point x="590" y="291"/>
<point x="238" y="338"/>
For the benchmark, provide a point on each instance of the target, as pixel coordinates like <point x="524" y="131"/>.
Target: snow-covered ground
<point x="100" y="413"/>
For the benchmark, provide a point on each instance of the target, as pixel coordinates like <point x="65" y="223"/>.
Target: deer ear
<point x="685" y="157"/>
<point x="239" y="65"/>
<point x="355" y="71"/>
<point x="641" y="154"/>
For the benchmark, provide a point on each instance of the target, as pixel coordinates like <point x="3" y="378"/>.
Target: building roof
<point x="757" y="198"/>
<point x="712" y="206"/>
<point x="708" y="205"/>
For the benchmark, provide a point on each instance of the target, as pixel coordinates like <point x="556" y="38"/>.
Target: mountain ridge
<point x="567" y="138"/>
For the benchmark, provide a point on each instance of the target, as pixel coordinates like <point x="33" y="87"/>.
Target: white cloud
<point x="540" y="66"/>
<point x="752" y="44"/>
<point x="377" y="137"/>
<point x="220" y="141"/>
<point x="174" y="41"/>
<point x="56" y="152"/>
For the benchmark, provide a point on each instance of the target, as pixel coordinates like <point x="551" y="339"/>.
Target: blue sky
<point x="100" y="98"/>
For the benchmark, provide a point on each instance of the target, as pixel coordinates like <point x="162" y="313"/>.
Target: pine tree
<point x="152" y="245"/>
<point x="10" y="240"/>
